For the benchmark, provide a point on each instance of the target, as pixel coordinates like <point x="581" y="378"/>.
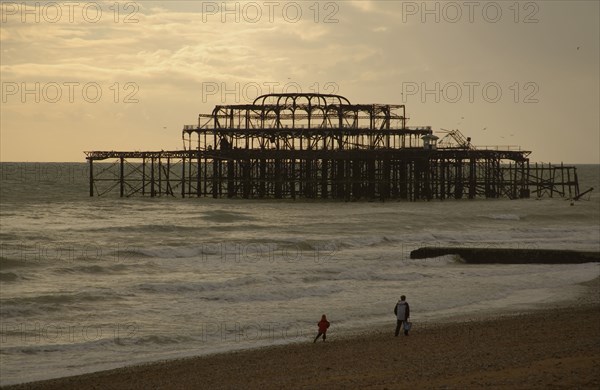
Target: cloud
<point x="363" y="5"/>
<point x="172" y="50"/>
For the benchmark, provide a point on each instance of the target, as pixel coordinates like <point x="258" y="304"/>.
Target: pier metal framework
<point x="323" y="147"/>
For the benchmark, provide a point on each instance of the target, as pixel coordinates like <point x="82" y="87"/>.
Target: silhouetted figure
<point x="323" y="326"/>
<point x="402" y="312"/>
<point x="225" y="145"/>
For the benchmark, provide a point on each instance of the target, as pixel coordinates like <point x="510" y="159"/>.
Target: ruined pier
<point x="320" y="146"/>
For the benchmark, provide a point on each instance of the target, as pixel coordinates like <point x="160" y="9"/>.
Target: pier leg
<point x="189" y="180"/>
<point x="160" y="191"/>
<point x="278" y="179"/>
<point x="427" y="180"/>
<point x="324" y="184"/>
<point x="247" y="184"/>
<point x="442" y="170"/>
<point x="370" y="167"/>
<point x="183" y="178"/>
<point x="262" y="178"/>
<point x="339" y="180"/>
<point x="198" y="179"/>
<point x="230" y="179"/>
<point x="91" y="177"/>
<point x="169" y="190"/>
<point x="216" y="177"/>
<point x="387" y="178"/>
<point x="122" y="177"/>
<point x="143" y="176"/>
<point x="293" y="178"/>
<point x="458" y="183"/>
<point x="472" y="178"/>
<point x="152" y="188"/>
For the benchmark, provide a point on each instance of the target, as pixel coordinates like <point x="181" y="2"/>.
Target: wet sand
<point x="550" y="348"/>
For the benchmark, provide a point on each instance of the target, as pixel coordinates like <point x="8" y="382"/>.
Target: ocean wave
<point x="8" y="277"/>
<point x="200" y="286"/>
<point x="503" y="217"/>
<point x="283" y="292"/>
<point x="10" y="312"/>
<point x="67" y="340"/>
<point x="172" y="252"/>
<point x="251" y="249"/>
<point x="366" y="275"/>
<point x="162" y="340"/>
<point x="288" y="247"/>
<point x="94" y="269"/>
<point x="8" y="236"/>
<point x="10" y="263"/>
<point x="294" y="250"/>
<point x="367" y="242"/>
<point x="59" y="299"/>
<point x="223" y="216"/>
<point x="128" y="253"/>
<point x="244" y="289"/>
<point x="144" y="228"/>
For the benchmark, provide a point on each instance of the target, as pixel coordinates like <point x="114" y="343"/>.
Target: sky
<point x="79" y="76"/>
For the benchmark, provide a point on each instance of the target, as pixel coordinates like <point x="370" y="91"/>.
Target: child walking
<point x="323" y="325"/>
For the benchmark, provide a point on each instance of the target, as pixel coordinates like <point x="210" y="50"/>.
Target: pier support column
<point x="370" y="167"/>
<point x="340" y="192"/>
<point x="160" y="172"/>
<point x="292" y="178"/>
<point x="183" y="177"/>
<point x="91" y="177"/>
<point x="152" y="189"/>
<point x="356" y="179"/>
<point x="403" y="179"/>
<point x="417" y="180"/>
<point x="168" y="190"/>
<point x="198" y="175"/>
<point x="216" y="178"/>
<point x="427" y="187"/>
<point x="262" y="178"/>
<point x="278" y="179"/>
<point x="324" y="174"/>
<point x="348" y="179"/>
<point x="442" y="178"/>
<point x="384" y="185"/>
<point x="230" y="179"/>
<point x="458" y="179"/>
<point x="472" y="178"/>
<point x="143" y="176"/>
<point x="122" y="177"/>
<point x="310" y="181"/>
<point x="189" y="179"/>
<point x="247" y="182"/>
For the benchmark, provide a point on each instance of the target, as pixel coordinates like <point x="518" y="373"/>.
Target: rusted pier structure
<point x="323" y="147"/>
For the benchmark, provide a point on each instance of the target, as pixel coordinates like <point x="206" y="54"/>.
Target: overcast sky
<point x="98" y="75"/>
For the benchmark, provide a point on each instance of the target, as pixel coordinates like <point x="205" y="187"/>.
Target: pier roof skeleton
<point x="330" y="119"/>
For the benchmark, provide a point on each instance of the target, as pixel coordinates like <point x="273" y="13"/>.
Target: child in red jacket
<point x="323" y="325"/>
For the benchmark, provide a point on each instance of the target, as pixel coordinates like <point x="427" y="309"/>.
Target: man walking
<point x="402" y="312"/>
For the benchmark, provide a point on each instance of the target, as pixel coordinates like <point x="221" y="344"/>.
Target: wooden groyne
<point x="509" y="255"/>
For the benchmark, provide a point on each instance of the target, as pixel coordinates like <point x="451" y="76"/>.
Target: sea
<point x="94" y="283"/>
